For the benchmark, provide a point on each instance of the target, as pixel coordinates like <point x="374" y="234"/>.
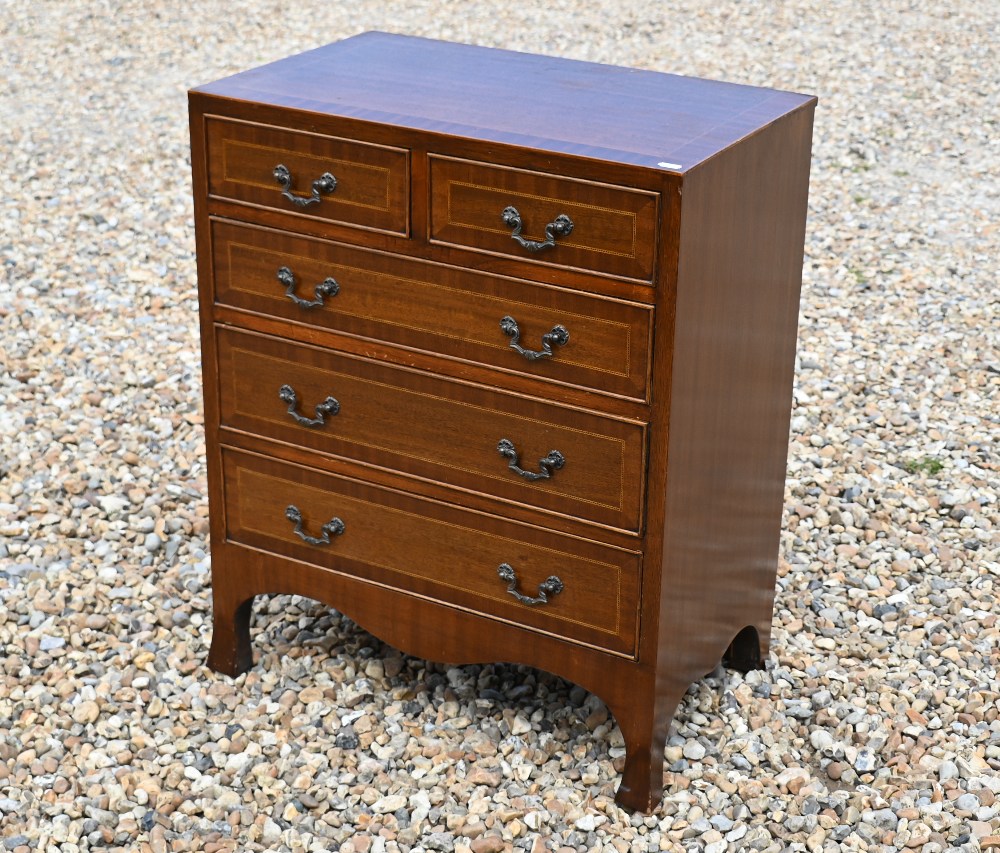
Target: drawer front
<point x="434" y="428"/>
<point x="372" y="181"/>
<point x="613" y="228"/>
<point x="434" y="550"/>
<point x="435" y="308"/>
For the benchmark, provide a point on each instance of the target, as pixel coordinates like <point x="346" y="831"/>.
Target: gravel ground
<point x="877" y="724"/>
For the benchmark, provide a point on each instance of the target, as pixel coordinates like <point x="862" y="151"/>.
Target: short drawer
<point x="433" y="428"/>
<point x="573" y="588"/>
<point x="370" y="185"/>
<point x="436" y="308"/>
<point x="613" y="229"/>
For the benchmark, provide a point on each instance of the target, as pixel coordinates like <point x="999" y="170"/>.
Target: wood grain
<point x="614" y="228"/>
<point x="601" y="112"/>
<point x="372" y="180"/>
<point x="436" y="308"/>
<point x="451" y="555"/>
<point x="733" y="360"/>
<point x="433" y="428"/>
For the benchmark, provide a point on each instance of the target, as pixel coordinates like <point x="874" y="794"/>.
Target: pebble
<point x="882" y="818"/>
<point x="947" y="770"/>
<point x="347" y="739"/>
<point x="694" y="750"/>
<point x="877" y="712"/>
<point x="793" y="778"/>
<point x="865" y="761"/>
<point x="270" y="832"/>
<point x="736" y="833"/>
<point x="111" y="504"/>
<point x="389" y="804"/>
<point x="967" y="802"/>
<point x="86" y="712"/>
<point x="821" y="740"/>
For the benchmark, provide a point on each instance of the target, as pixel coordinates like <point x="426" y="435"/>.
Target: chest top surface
<point x="623" y="115"/>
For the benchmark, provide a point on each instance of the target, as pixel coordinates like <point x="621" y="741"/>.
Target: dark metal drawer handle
<point x="553" y="462"/>
<point x="334" y="527"/>
<point x="329" y="406"/>
<point x="325" y="183"/>
<point x="559" y="227"/>
<point x="550" y="586"/>
<point x="558" y="336"/>
<point x="327" y="287"/>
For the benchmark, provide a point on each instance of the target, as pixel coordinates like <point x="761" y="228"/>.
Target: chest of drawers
<point x="498" y="357"/>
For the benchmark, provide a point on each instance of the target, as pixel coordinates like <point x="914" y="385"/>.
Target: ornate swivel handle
<point x="329" y="406"/>
<point x="325" y="183"/>
<point x="559" y="227"/>
<point x="334" y="527"/>
<point x="558" y="336"/>
<point x="327" y="287"/>
<point x="553" y="462"/>
<point x="552" y="585"/>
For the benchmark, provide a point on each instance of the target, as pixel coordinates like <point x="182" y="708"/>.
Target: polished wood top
<point x="623" y="115"/>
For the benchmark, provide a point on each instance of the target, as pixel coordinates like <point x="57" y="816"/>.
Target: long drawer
<point x="324" y="177"/>
<point x="468" y="436"/>
<point x="435" y="308"/>
<point x="574" y="588"/>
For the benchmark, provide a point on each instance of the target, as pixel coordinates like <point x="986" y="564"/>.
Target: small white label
<point x="669" y="165"/>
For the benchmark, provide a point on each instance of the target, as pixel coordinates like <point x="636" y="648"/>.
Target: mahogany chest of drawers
<point x="498" y="356"/>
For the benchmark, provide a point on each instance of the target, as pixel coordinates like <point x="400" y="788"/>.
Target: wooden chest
<point x="498" y="357"/>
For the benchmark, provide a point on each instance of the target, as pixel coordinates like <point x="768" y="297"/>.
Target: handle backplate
<point x="558" y="336"/>
<point x="551" y="463"/>
<point x="325" y="183"/>
<point x="327" y="287"/>
<point x="329" y="407"/>
<point x="561" y="226"/>
<point x="334" y="527"/>
<point x="552" y="585"/>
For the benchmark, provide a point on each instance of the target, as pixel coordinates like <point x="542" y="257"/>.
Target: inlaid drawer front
<point x="537" y="217"/>
<point x="517" y="573"/>
<point x="603" y="343"/>
<point x="323" y="177"/>
<point x="467" y="436"/>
